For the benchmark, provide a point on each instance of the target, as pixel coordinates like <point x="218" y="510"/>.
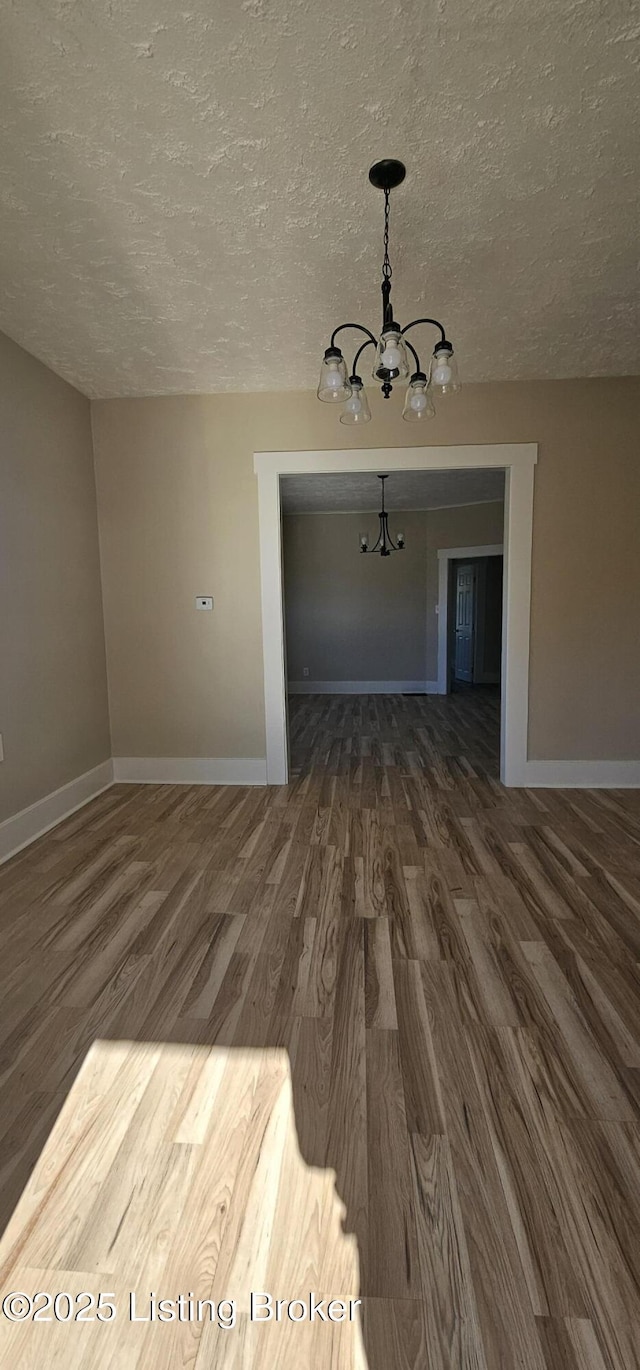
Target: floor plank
<point x="374" y="1035"/>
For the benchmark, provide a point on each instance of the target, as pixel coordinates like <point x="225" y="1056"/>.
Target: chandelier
<point x="385" y="544"/>
<point x="392" y="347"/>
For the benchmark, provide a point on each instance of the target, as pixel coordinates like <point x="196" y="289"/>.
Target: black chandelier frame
<point x="385" y="176"/>
<point x="385" y="544"/>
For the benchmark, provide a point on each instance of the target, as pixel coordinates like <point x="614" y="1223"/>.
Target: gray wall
<point x="489" y="621"/>
<point x="470" y="525"/>
<point x="349" y="616"/>
<point x="354" y="617"/>
<point x="53" y="688"/>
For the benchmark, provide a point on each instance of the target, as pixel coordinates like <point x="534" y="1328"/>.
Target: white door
<point x="465" y="616"/>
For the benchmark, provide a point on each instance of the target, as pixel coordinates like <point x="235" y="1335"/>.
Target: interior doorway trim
<point x="445" y="555"/>
<point x="518" y="461"/>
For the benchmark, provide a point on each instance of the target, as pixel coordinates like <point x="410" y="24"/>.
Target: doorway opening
<point x="361" y="615"/>
<point x="517" y="461"/>
<point x="470" y="612"/>
<point x="475" y="638"/>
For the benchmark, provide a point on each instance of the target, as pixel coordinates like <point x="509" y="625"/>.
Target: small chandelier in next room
<point x="385" y="544"/>
<point x="392" y="347"/>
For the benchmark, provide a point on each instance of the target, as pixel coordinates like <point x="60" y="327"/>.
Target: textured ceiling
<point x="184" y="203"/>
<point x="350" y="491"/>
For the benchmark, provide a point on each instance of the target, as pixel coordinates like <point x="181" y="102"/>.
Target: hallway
<point x="373" y="1035"/>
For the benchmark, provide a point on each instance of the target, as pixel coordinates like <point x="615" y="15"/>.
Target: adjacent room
<point x="406" y="607"/>
<point x="319" y="707"/>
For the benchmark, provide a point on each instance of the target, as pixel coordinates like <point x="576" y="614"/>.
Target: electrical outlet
<point x="204" y="602"/>
<point x="305" y="670"/>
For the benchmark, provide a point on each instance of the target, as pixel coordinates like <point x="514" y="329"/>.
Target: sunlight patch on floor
<point x="175" y="1169"/>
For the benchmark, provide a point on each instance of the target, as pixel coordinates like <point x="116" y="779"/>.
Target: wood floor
<point x="374" y="1035"/>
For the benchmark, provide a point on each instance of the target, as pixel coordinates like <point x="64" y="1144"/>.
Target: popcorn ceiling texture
<point x="184" y="198"/>
<point x="352" y="490"/>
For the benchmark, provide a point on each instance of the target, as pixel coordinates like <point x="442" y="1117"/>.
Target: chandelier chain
<point x="386" y="265"/>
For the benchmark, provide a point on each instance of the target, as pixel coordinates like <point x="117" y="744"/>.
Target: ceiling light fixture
<point x="392" y="362"/>
<point x="385" y="544"/>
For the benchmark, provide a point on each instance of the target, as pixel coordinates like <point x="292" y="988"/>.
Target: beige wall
<point x="53" y="695"/>
<point x="179" y="517"/>
<point x="351" y="617"/>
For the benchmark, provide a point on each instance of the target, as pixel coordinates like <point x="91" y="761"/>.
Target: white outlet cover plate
<point x="204" y="601"/>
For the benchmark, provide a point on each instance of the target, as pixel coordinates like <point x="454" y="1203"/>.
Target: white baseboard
<point x="363" y="687"/>
<point x="583" y="775"/>
<point x="190" y="770"/>
<point x="24" y="827"/>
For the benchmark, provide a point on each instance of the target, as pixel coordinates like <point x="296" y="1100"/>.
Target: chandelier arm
<point x="435" y="323"/>
<point x="377" y="544"/>
<point x="388" y="538"/>
<point x="382" y="542"/>
<point x="368" y="343"/>
<point x="414" y="354"/>
<point x="361" y="329"/>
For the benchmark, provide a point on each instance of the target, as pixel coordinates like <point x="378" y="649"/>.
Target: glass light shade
<point x="418" y="403"/>
<point x="356" y="409"/>
<point x="444" y="372"/>
<point x="392" y="360"/>
<point x="334" y="385"/>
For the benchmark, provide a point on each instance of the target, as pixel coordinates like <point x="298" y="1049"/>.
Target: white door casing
<point x="518" y="461"/>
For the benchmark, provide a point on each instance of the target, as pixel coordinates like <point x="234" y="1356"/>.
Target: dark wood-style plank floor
<point x="373" y="1035"/>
